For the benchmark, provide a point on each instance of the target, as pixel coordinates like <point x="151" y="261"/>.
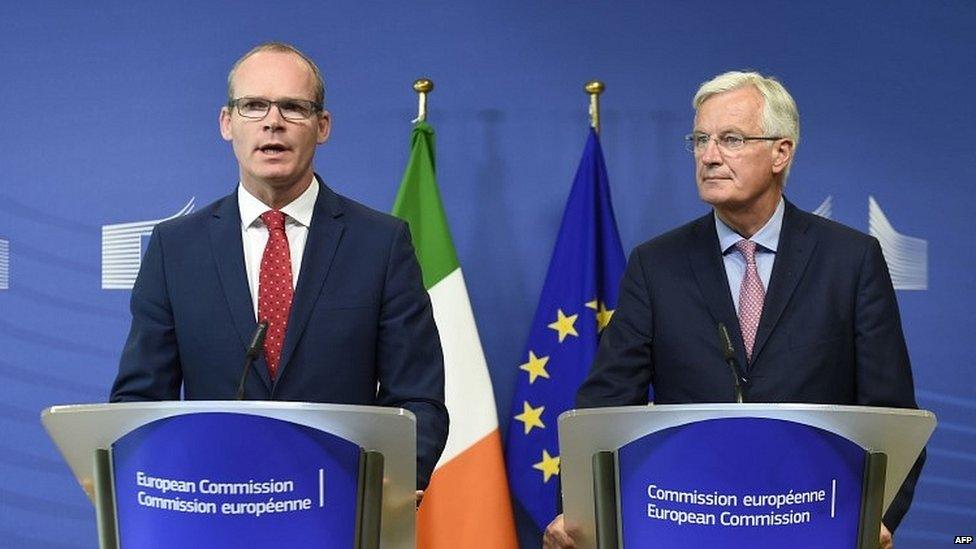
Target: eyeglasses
<point x="257" y="108"/>
<point x="697" y="142"/>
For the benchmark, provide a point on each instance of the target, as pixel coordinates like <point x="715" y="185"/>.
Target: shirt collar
<point x="767" y="236"/>
<point x="297" y="211"/>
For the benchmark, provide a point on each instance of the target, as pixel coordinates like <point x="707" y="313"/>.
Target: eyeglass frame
<point x="236" y="104"/>
<point x="691" y="144"/>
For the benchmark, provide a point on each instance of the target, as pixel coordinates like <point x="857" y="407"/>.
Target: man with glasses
<point x="349" y="320"/>
<point x="808" y="303"/>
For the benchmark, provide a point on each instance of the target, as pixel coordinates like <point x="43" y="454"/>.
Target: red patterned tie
<point x="274" y="289"/>
<point x="751" y="296"/>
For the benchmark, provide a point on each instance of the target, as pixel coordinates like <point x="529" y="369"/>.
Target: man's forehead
<point x="266" y="67"/>
<point x="735" y="109"/>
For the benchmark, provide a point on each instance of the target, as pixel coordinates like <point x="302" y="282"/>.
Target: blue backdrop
<point x="110" y="117"/>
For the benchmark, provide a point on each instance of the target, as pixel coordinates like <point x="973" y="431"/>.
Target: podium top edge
<point x="231" y="406"/>
<point x="752" y="407"/>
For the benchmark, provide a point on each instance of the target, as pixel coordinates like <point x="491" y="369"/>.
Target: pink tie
<point x="274" y="288"/>
<point x="751" y="296"/>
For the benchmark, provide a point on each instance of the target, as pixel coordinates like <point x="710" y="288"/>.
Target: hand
<point x="557" y="536"/>
<point x="420" y="497"/>
<point x="886" y="541"/>
<point x="88" y="485"/>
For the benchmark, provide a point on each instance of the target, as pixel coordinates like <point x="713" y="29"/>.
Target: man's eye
<point x="701" y="140"/>
<point x="293" y="106"/>
<point x="255" y="105"/>
<point x="732" y="140"/>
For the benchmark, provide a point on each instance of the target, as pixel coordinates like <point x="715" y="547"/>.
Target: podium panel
<point x="740" y="483"/>
<point x="234" y="480"/>
<point x="365" y="489"/>
<point x="725" y="449"/>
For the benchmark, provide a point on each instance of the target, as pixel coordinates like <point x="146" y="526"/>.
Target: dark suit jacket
<point x="360" y="316"/>
<point x="830" y="332"/>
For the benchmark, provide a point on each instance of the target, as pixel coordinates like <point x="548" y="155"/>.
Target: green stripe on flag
<point x="418" y="202"/>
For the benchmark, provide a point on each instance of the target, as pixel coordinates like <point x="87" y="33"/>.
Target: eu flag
<point x="576" y="304"/>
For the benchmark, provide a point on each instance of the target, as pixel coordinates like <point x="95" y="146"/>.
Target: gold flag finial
<point x="594" y="88"/>
<point x="422" y="86"/>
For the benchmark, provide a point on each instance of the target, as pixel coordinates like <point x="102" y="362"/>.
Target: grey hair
<point x="280" y="47"/>
<point x="780" y="117"/>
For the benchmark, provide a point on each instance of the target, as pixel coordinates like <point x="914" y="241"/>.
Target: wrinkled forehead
<point x="734" y="110"/>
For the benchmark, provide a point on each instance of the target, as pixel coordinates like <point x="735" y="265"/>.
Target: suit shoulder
<point x="358" y="213"/>
<point x="193" y="221"/>
<point x="675" y="239"/>
<point x="829" y="231"/>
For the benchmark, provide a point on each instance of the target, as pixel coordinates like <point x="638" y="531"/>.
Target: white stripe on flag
<point x="467" y="386"/>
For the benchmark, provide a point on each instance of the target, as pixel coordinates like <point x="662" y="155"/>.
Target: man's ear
<point x="324" y="123"/>
<point x="782" y="153"/>
<point x="224" y="121"/>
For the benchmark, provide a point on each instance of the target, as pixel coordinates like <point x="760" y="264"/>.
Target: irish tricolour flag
<point x="467" y="503"/>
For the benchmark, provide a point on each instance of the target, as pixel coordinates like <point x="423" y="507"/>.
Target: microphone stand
<point x="728" y="353"/>
<point x="253" y="350"/>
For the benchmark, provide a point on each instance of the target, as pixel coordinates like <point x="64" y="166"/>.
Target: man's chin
<point x="278" y="181"/>
<point x="712" y="195"/>
<point x="277" y="176"/>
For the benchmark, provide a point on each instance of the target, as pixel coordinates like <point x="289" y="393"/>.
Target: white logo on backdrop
<point x="122" y="249"/>
<point x="907" y="256"/>
<point x="826" y="208"/>
<point x="4" y="264"/>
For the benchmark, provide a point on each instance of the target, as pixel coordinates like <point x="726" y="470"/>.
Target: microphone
<point x="253" y="350"/>
<point x="728" y="352"/>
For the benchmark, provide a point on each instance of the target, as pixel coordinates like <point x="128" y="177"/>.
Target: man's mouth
<point x="273" y="149"/>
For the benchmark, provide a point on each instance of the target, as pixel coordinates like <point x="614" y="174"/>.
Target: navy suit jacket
<point x="830" y="332"/>
<point x="360" y="317"/>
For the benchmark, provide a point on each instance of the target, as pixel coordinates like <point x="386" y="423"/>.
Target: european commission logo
<point x="907" y="257"/>
<point x="122" y="248"/>
<point x="4" y="264"/>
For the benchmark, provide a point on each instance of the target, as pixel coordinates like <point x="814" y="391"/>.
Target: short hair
<point x="280" y="47"/>
<point x="780" y="117"/>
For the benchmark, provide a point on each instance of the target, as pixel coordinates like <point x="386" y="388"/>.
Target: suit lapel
<point x="324" y="234"/>
<point x="796" y="245"/>
<point x="228" y="252"/>
<point x="705" y="256"/>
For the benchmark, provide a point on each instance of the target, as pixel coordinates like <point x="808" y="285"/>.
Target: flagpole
<point x="467" y="503"/>
<point x="594" y="88"/>
<point x="422" y="86"/>
<point x="575" y="306"/>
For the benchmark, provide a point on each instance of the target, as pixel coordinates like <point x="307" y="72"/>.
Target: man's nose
<point x="273" y="120"/>
<point x="711" y="154"/>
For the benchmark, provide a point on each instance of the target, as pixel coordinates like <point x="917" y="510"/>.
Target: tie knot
<point x="273" y="220"/>
<point x="748" y="250"/>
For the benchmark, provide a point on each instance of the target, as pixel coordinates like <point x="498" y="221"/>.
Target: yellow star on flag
<point x="564" y="325"/>
<point x="549" y="466"/>
<point x="602" y="314"/>
<point x="536" y="367"/>
<point x="531" y="417"/>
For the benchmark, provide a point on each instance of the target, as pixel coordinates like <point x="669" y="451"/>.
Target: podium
<point x="735" y="475"/>
<point x="243" y="474"/>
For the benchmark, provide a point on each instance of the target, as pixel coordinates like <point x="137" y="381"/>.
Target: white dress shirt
<point x="254" y="234"/>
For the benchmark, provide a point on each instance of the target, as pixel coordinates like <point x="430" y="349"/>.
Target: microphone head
<point x="257" y="342"/>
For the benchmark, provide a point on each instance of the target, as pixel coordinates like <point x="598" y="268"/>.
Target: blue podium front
<point x="740" y="483"/>
<point x="234" y="480"/>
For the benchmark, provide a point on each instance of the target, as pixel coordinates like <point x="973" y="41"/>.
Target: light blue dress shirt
<point x="766" y="239"/>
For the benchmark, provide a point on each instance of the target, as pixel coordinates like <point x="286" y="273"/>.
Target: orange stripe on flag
<point x="467" y="503"/>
